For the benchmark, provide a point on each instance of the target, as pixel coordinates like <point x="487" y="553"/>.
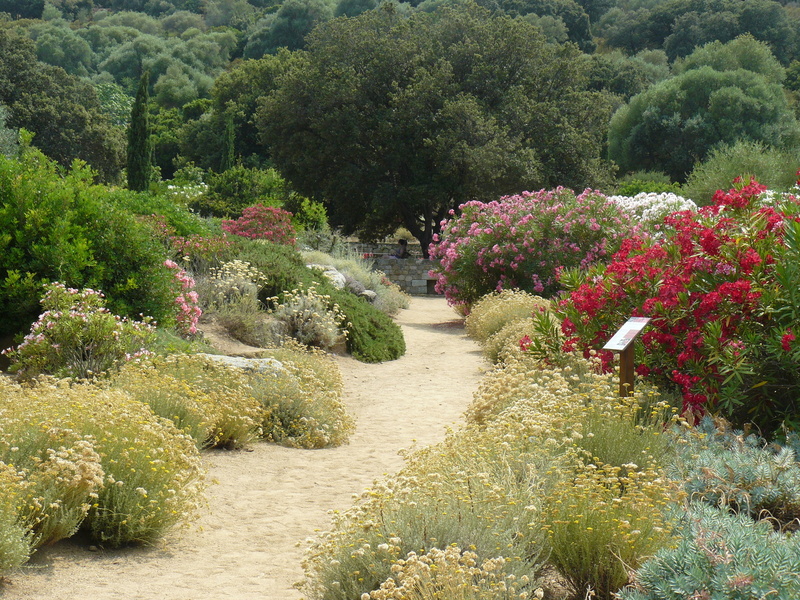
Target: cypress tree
<point x="140" y="146"/>
<point x="228" y="151"/>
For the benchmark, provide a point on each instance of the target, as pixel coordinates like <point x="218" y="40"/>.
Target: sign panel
<point x="626" y="334"/>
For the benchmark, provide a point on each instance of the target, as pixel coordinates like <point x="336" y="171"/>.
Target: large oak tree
<point x="394" y="120"/>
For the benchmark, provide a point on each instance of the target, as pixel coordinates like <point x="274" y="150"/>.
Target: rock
<point x="332" y="273"/>
<point x="369" y="295"/>
<point x="257" y="365"/>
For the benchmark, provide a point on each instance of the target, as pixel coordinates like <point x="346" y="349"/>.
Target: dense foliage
<point x="523" y="242"/>
<point x="393" y="120"/>
<point x="721" y="289"/>
<point x="58" y="226"/>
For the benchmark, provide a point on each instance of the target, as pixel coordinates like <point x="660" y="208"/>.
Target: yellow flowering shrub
<point x="221" y="392"/>
<point x="189" y="409"/>
<point x="495" y="487"/>
<point x="151" y="474"/>
<point x="493" y="311"/>
<point x="302" y="405"/>
<point x="15" y="547"/>
<point x="478" y="490"/>
<point x="450" y="574"/>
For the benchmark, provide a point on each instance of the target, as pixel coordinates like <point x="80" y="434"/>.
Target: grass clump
<point x="359" y="277"/>
<point x="494" y="311"/>
<point x="148" y="477"/>
<point x="301" y="401"/>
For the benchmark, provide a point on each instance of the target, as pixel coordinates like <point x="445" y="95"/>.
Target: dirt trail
<point x="270" y="500"/>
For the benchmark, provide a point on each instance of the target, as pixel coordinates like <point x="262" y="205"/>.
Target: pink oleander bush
<point x="523" y="241"/>
<point x="262" y="223"/>
<point x="77" y="336"/>
<point x="187" y="303"/>
<point x="722" y="288"/>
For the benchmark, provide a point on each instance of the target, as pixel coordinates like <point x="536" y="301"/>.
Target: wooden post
<point x="622" y="342"/>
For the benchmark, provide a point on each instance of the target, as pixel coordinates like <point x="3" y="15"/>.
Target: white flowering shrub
<point x="229" y="283"/>
<point x="310" y="318"/>
<point x="648" y="209"/>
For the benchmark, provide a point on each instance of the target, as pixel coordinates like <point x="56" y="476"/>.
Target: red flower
<point x="787" y="339"/>
<point x="525" y="343"/>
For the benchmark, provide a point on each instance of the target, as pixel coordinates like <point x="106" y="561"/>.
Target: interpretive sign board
<point x="622" y="342"/>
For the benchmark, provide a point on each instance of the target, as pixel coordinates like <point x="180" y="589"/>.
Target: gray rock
<point x="369" y="295"/>
<point x="257" y="365"/>
<point x="332" y="273"/>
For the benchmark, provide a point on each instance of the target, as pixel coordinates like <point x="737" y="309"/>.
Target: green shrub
<point x="176" y="215"/>
<point x="647" y="182"/>
<point x="721" y="555"/>
<point x="76" y="336"/>
<point x="58" y="226"/>
<point x="152" y="474"/>
<point x="237" y="188"/>
<point x="372" y="336"/>
<point x="772" y="167"/>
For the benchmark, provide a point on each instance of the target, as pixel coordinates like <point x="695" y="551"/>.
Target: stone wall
<point x="411" y="274"/>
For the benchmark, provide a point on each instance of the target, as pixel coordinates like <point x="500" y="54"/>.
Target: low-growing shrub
<point x="453" y="574"/>
<point x="152" y="474"/>
<point x="359" y="276"/>
<point x="225" y="394"/>
<point x="282" y="266"/>
<point x="475" y="490"/>
<point x="311" y="318"/>
<point x="372" y="336"/>
<point x="721" y="555"/>
<point x="724" y="467"/>
<point x="495" y="310"/>
<point x="509" y="342"/>
<point x="302" y="400"/>
<point x="77" y="336"/>
<point x="190" y="410"/>
<point x="523" y="241"/>
<point x="15" y="547"/>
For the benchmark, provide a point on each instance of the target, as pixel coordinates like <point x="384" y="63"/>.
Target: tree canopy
<point x="676" y="123"/>
<point x="395" y="120"/>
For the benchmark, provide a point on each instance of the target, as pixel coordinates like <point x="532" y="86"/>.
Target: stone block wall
<point x="411" y="274"/>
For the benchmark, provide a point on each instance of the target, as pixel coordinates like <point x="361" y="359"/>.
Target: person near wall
<point x="402" y="250"/>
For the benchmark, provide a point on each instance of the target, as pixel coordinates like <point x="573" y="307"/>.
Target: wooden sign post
<point x="622" y="342"/>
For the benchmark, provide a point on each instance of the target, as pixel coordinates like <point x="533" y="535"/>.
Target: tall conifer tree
<point x="140" y="145"/>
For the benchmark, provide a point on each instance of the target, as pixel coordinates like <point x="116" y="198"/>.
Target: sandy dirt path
<point x="268" y="501"/>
